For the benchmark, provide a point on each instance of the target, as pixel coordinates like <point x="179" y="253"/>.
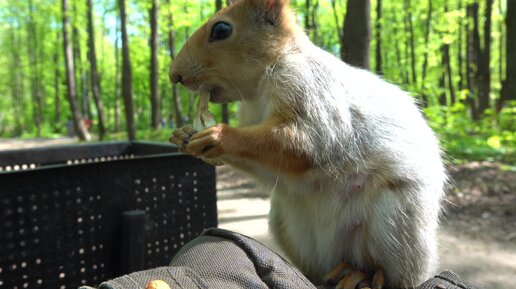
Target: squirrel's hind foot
<point x="344" y="277"/>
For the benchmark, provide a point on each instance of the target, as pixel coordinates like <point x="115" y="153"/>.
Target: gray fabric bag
<point x="219" y="259"/>
<point x="224" y="259"/>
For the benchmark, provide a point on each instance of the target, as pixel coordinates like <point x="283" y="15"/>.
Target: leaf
<point x="494" y="142"/>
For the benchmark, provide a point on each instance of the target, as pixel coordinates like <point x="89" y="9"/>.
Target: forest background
<point x="100" y="67"/>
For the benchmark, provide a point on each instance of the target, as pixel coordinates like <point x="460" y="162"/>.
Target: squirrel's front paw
<point x="209" y="143"/>
<point x="181" y="136"/>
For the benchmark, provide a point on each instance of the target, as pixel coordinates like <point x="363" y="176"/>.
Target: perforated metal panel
<point x="60" y="224"/>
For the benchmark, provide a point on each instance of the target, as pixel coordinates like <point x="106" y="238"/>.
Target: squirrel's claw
<point x="181" y="136"/>
<point x="344" y="277"/>
<point x="207" y="143"/>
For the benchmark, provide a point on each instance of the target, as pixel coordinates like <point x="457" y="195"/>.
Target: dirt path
<point x="11" y="144"/>
<point x="478" y="230"/>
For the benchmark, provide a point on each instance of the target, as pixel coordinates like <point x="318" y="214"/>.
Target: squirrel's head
<point x="229" y="54"/>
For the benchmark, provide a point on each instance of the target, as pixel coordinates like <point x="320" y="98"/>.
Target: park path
<point x="244" y="207"/>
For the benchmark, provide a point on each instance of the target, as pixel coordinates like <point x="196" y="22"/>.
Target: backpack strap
<point x="446" y="280"/>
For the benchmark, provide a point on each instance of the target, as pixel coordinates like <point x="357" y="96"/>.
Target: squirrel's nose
<point x="176" y="78"/>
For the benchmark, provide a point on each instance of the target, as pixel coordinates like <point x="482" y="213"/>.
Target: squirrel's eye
<point x="221" y="30"/>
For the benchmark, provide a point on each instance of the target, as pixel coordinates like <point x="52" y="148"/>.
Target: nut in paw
<point x="209" y="143"/>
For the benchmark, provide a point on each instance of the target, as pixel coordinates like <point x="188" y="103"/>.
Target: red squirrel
<point x="356" y="172"/>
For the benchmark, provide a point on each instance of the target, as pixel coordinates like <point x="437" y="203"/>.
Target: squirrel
<point x="357" y="173"/>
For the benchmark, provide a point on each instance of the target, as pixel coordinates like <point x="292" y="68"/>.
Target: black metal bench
<point x="81" y="214"/>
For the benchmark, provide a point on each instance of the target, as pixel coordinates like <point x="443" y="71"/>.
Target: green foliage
<point x="493" y="136"/>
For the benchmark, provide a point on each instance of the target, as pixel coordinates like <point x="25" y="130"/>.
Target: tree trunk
<point x="154" y="86"/>
<point x="80" y="129"/>
<point x="501" y="43"/>
<point x="310" y="19"/>
<point x="378" y="37"/>
<point x="459" y="49"/>
<point x="34" y="64"/>
<point x="410" y="32"/>
<point x="337" y="21"/>
<point x="484" y="72"/>
<point x="473" y="54"/>
<point x="95" y="82"/>
<point x="427" y="39"/>
<point x="176" y="103"/>
<point x="306" y="19"/>
<point x="57" y="96"/>
<point x="442" y="80"/>
<point x="117" y="76"/>
<point x="447" y="70"/>
<point x="85" y="103"/>
<point x="356" y="34"/>
<point x="127" y="81"/>
<point x="314" y="24"/>
<point x="446" y="77"/>
<point x="15" y="80"/>
<point x="509" y="84"/>
<point x="397" y="49"/>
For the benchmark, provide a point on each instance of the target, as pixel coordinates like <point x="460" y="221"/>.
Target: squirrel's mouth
<point x="215" y="91"/>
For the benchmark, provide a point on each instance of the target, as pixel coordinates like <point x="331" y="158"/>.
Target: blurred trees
<point x="455" y="57"/>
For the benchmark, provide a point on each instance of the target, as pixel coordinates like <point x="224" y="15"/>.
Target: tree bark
<point x="57" y="93"/>
<point x="80" y="129"/>
<point x="479" y="78"/>
<point x="460" y="49"/>
<point x="176" y="103"/>
<point x="402" y="71"/>
<point x="15" y="80"/>
<point x="501" y="41"/>
<point x="314" y="24"/>
<point x="442" y="80"/>
<point x="484" y="72"/>
<point x="447" y="70"/>
<point x="356" y="33"/>
<point x="117" y="76"/>
<point x="509" y="84"/>
<point x="154" y="86"/>
<point x="446" y="77"/>
<point x="95" y="82"/>
<point x="427" y="39"/>
<point x="307" y="22"/>
<point x="85" y="103"/>
<point x="34" y="76"/>
<point x="378" y="53"/>
<point x="337" y="21"/>
<point x="473" y="55"/>
<point x="127" y="78"/>
<point x="410" y="32"/>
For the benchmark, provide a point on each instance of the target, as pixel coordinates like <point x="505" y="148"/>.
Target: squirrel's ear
<point x="269" y="10"/>
<point x="230" y="2"/>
